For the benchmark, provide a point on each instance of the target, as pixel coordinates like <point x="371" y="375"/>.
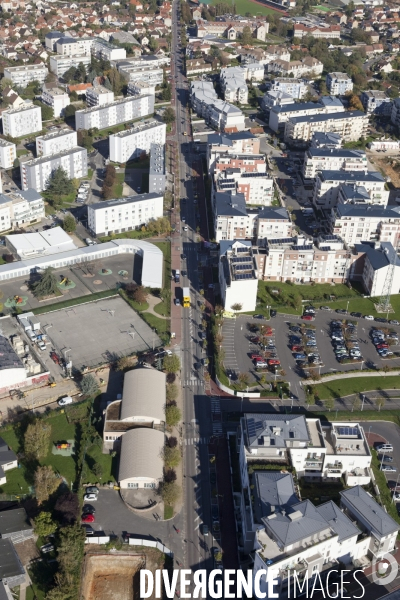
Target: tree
<point x="116" y="79"/>
<point x="236" y="307"/>
<point x="66" y="508"/>
<point x="69" y="111"/>
<point x="171" y="363"/>
<point x="355" y="103"/>
<point x="46" y="483"/>
<point x="170" y="493"/>
<point x="36" y="439"/>
<point x="314" y="375"/>
<point x="98" y="470"/>
<point x="89" y="385"/>
<point x="5" y="82"/>
<point x="70" y="549"/>
<point x="59" y="184"/>
<point x="140" y="294"/>
<point x="244" y="379"/>
<point x="329" y="404"/>
<point x="172" y="441"/>
<point x="172" y="415"/>
<point x="70" y="75"/>
<point x="47" y="111"/>
<point x="380" y="402"/>
<point x="170" y="476"/>
<point x="47" y="284"/>
<point x="44" y="524"/>
<point x="69" y="224"/>
<point x="169" y="115"/>
<point x="247" y="38"/>
<point x="80" y="74"/>
<point x="172" y="456"/>
<point x="153" y="44"/>
<point x="172" y="392"/>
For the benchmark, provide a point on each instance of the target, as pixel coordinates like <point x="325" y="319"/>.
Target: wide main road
<point x="197" y="419"/>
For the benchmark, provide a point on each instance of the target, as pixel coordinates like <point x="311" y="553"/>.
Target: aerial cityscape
<point x="199" y="299"/>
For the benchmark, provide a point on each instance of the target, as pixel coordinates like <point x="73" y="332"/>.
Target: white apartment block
<point x="140" y="88"/>
<point x="296" y="88"/>
<point x="385" y="144"/>
<point x="300" y="261"/>
<point x="245" y="163"/>
<point x="60" y="64"/>
<point x="264" y="56"/>
<point x="351" y="126"/>
<point x="257" y="188"/>
<point x="35" y="173"/>
<point x="395" y="115"/>
<point x="56" y="141"/>
<point x="271" y="99"/>
<point x="124" y="214"/>
<point x="233" y="84"/>
<point x="148" y="74"/>
<point x="232" y="219"/>
<point x="157" y="175"/>
<point x="316" y="159"/>
<point x="279" y="115"/>
<point x="98" y="96"/>
<point x="114" y="113"/>
<point x="355" y="224"/>
<point x="25" y="120"/>
<point x="327" y="187"/>
<point x="377" y="258"/>
<point x="339" y="83"/>
<point x="67" y="46"/>
<point x="8" y="153"/>
<point x="106" y="51"/>
<point x="57" y="99"/>
<point x="309" y="66"/>
<point x="237" y="276"/>
<point x="20" y="209"/>
<point x="131" y="143"/>
<point x="217" y="113"/>
<point x="22" y="76"/>
<point x="274" y="223"/>
<point x="220" y="145"/>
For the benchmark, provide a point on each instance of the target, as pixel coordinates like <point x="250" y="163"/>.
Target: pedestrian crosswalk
<point x="194" y="441"/>
<point x="193" y="381"/>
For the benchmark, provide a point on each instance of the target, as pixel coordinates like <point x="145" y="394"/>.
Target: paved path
<point x="152" y="301"/>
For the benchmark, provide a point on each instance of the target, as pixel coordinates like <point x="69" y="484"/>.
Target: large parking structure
<point x="98" y="332"/>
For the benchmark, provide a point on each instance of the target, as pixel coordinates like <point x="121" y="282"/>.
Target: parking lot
<point x="238" y="346"/>
<point x="97" y="332"/>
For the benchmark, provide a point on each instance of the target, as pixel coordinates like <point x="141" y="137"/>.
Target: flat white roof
<point x="43" y="243"/>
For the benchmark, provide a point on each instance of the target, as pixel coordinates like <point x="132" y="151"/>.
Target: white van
<point x="64" y="401"/>
<point x="385" y="448"/>
<point x="89" y="242"/>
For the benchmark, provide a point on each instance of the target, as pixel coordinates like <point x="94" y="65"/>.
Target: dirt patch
<point x="27" y="551"/>
<point x="385" y="166"/>
<point x="115" y="576"/>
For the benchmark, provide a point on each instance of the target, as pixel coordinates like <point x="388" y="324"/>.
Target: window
<point x="133" y="486"/>
<point x="149" y="485"/>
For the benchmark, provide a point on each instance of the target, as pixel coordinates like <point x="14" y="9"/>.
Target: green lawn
<point x="134" y="235"/>
<point x="324" y="8"/>
<point x="355" y="385"/>
<point x="385" y="494"/>
<point x="22" y="152"/>
<point x="2" y="261"/>
<point x="118" y="185"/>
<point x="244" y="6"/>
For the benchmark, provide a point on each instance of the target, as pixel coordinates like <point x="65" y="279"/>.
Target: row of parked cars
<point x="267" y="356"/>
<point x="382" y="341"/>
<point x="303" y="345"/>
<point x="83" y="192"/>
<point x="344" y="341"/>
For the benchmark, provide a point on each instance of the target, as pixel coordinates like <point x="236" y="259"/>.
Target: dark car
<point x="183" y="256"/>
<point x="258" y="316"/>
<point x="380" y="320"/>
<point x="341" y="311"/>
<point x="88" y="509"/>
<point x="294" y="329"/>
<point x="356" y="314"/>
<point x="273" y="313"/>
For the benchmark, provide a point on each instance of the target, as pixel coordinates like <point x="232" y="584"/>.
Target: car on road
<point x="255" y="356"/>
<point x="258" y="316"/>
<point x="91" y="489"/>
<point x="388" y="469"/>
<point x="90" y="497"/>
<point x="308" y="317"/>
<point x="274" y="361"/>
<point x="294" y="329"/>
<point x="393" y="322"/>
<point x="88" y="519"/>
<point x="380" y="320"/>
<point x="356" y="314"/>
<point x="183" y="256"/>
<point x="369" y="317"/>
<point x="42" y="345"/>
<point x="341" y="311"/>
<point x="255" y="339"/>
<point x="384" y="458"/>
<point x="273" y="313"/>
<point x="64" y="401"/>
<point x="47" y="548"/>
<point x="299" y="356"/>
<point x="324" y="308"/>
<point x="87" y="509"/>
<point x="383" y="448"/>
<point x="177" y="302"/>
<point x="55" y="358"/>
<point x="185" y="228"/>
<point x="296" y="348"/>
<point x="205" y="529"/>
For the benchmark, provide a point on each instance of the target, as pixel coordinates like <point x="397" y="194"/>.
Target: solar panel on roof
<point x="281" y="241"/>
<point x="302" y="247"/>
<point x="242" y="249"/>
<point x="251" y="428"/>
<point x="241" y="259"/>
<point x="325" y="248"/>
<point x="348" y="430"/>
<point x="244" y="267"/>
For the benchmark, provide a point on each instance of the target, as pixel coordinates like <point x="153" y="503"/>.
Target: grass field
<point x="323" y="8"/>
<point x="244" y="6"/>
<point x="355" y="385"/>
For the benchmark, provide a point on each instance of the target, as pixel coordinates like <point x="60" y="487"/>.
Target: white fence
<point x="103" y="539"/>
<point x="151" y="544"/>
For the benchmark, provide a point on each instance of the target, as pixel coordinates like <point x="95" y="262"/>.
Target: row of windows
<point x="135" y="486"/>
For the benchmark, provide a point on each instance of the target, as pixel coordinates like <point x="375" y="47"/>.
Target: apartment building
<point x="271" y="99"/>
<point x="395" y="114"/>
<point x="300" y="261"/>
<point x="98" y="96"/>
<point x="264" y="56"/>
<point x="151" y="75"/>
<point x="233" y="84"/>
<point x="385" y="144"/>
<point x="333" y="141"/>
<point x="376" y="102"/>
<point x="279" y="115"/>
<point x="242" y="142"/>
<point x="231" y="28"/>
<point x="56" y="141"/>
<point x="324" y="159"/>
<point x="60" y="64"/>
<point x="102" y="49"/>
<point x="35" y="173"/>
<point x="8" y="153"/>
<point x="20" y="209"/>
<point x="296" y="88"/>
<point x="232" y="219"/>
<point x="359" y="223"/>
<point x="68" y="46"/>
<point x="327" y="185"/>
<point x="25" y="120"/>
<point x="309" y="66"/>
<point x="339" y="84"/>
<point x="114" y="113"/>
<point x="140" y="88"/>
<point x="372" y="267"/>
<point x="24" y="75"/>
<point x="321" y="32"/>
<point x="57" y="99"/>
<point x="143" y="60"/>
<point x="157" y="175"/>
<point x="274" y="223"/>
<point x="236" y="274"/>
<point x="131" y="143"/>
<point x="124" y="214"/>
<point x="245" y="163"/>
<point x="217" y="113"/>
<point x="351" y="125"/>
<point x="257" y="188"/>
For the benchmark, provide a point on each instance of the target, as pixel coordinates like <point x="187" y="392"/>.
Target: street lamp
<point x="362" y="362"/>
<point x="347" y="307"/>
<point x="269" y="312"/>
<point x="362" y="405"/>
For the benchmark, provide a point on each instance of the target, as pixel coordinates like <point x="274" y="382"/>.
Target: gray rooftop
<point x="381" y="257"/>
<point x="156" y="159"/>
<point x="350" y="114"/>
<point x="10" y="565"/>
<point x="139" y="127"/>
<point x="141" y="454"/>
<point x="6" y="455"/>
<point x="274" y="489"/>
<point x="301" y="521"/>
<point x="226" y="139"/>
<point x="55" y="134"/>
<point x="13" y="521"/>
<point x="143" y="394"/>
<point x="103" y="106"/>
<point x="339" y="522"/>
<point x="339" y="153"/>
<point x="371" y="211"/>
<point x="230" y="205"/>
<point x="266" y="430"/>
<point x="351" y="176"/>
<point x="354" y="193"/>
<point x="371" y="512"/>
<point x="8" y="358"/>
<point x="45" y="159"/>
<point x="270" y="212"/>
<point x="122" y="201"/>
